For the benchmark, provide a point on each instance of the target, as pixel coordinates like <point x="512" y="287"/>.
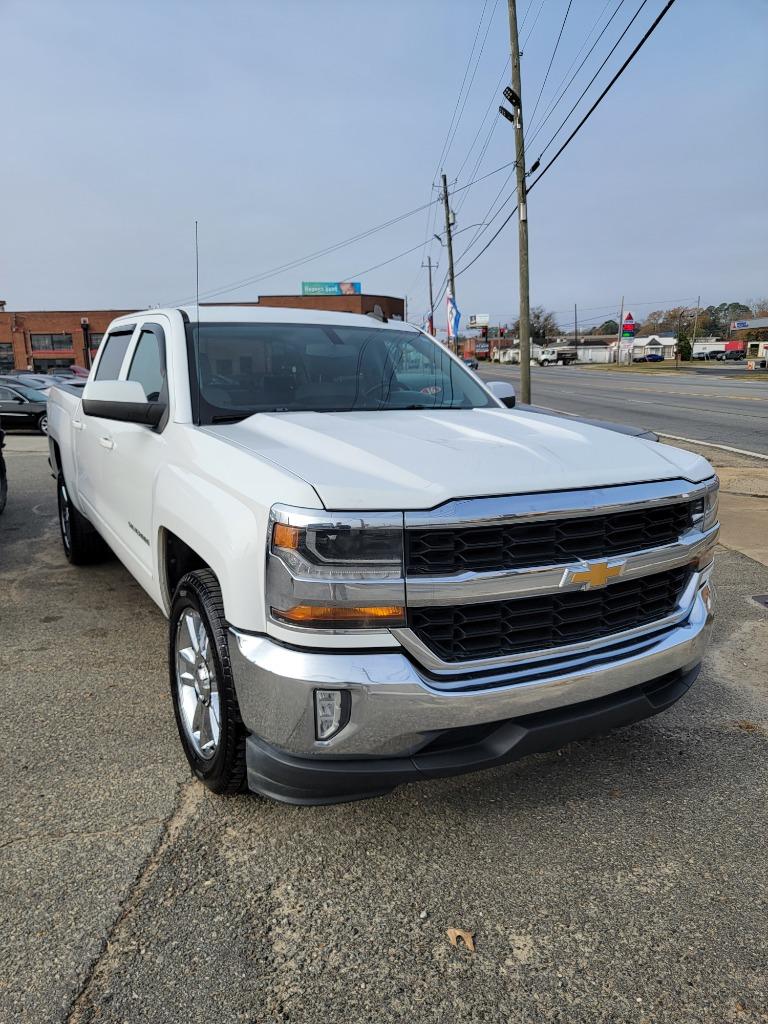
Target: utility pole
<point x="522" y="211"/>
<point x="618" y="333"/>
<point x="431" y="296"/>
<point x="695" y="322"/>
<point x="576" y="327"/>
<point x="449" y="243"/>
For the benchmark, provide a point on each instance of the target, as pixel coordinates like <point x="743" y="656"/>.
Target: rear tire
<point x="82" y="544"/>
<point x="42" y="423"/>
<point x="202" y="685"/>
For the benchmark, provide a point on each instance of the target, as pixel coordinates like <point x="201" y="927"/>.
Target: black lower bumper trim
<point x="301" y="780"/>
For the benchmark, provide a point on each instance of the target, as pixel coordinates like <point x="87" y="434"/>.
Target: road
<point x="621" y="880"/>
<point x="704" y="406"/>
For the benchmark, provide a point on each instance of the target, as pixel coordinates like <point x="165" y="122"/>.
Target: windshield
<point x="239" y="369"/>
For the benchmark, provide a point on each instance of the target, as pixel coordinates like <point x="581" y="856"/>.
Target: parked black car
<point x="470" y="362"/>
<point x="28" y="380"/>
<point x="23" y="406"/>
<point x="3" y="477"/>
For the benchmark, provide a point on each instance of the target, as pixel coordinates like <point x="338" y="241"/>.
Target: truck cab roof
<point x="270" y="315"/>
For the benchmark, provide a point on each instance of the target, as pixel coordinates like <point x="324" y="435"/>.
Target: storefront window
<point x="50" y="342"/>
<point x="46" y="365"/>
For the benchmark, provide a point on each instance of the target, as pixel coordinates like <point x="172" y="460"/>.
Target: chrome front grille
<point x="440" y="551"/>
<point x="527" y="578"/>
<point x="545" y="622"/>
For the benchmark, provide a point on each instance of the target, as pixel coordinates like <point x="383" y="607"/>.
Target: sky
<point x="287" y="126"/>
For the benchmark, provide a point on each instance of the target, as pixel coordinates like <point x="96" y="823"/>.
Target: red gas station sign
<point x="628" y="327"/>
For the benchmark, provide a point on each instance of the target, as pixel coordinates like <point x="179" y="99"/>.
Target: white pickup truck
<point x="374" y="571"/>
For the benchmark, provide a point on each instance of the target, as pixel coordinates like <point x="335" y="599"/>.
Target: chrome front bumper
<point x="397" y="706"/>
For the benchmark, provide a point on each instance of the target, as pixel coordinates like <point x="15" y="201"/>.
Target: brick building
<point x="44" y="340"/>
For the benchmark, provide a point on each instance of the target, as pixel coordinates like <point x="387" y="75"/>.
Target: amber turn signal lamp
<point x="360" y="616"/>
<point x="286" y="537"/>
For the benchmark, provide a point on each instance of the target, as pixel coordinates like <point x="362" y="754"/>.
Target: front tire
<point x="202" y="686"/>
<point x="42" y="423"/>
<point x="82" y="544"/>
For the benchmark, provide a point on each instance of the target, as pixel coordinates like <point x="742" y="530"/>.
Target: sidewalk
<point x="743" y="500"/>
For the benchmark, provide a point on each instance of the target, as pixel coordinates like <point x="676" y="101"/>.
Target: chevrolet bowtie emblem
<point x="596" y="574"/>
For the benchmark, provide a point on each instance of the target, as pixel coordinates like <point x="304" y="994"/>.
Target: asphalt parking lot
<point x="622" y="879"/>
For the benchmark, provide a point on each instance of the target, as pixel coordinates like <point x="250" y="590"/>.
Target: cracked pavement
<point x="620" y="880"/>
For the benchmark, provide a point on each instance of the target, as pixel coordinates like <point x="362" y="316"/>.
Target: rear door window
<point x="113" y="351"/>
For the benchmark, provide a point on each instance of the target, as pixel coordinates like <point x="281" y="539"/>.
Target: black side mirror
<point x="122" y="400"/>
<point x="147" y="413"/>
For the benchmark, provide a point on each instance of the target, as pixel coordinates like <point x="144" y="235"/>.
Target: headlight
<point x="334" y="571"/>
<point x="704" y="510"/>
<point x="341" y="550"/>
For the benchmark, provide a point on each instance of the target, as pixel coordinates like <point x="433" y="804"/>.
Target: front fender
<point x="224" y="531"/>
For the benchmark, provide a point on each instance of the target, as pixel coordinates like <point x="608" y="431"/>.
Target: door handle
<point x="106" y="442"/>
<point x="78" y="424"/>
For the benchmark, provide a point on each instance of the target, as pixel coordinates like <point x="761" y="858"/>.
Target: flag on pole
<point x="454" y="316"/>
<point x="429" y="325"/>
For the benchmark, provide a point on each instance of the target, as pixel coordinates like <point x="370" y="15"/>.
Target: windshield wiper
<point x="234" y="418"/>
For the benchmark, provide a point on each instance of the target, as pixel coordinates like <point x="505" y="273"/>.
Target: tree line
<point x="710" y="321"/>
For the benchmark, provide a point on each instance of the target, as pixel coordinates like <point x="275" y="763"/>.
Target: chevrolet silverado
<point x="374" y="571"/>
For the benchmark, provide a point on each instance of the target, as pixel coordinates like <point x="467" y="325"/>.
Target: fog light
<point x="331" y="712"/>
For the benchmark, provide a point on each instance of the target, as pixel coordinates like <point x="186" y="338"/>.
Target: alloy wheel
<point x="197" y="685"/>
<point x="65" y="521"/>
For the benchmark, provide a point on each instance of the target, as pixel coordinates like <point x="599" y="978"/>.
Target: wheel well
<point x="180" y="559"/>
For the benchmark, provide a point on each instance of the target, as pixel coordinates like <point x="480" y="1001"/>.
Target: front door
<point x="132" y="460"/>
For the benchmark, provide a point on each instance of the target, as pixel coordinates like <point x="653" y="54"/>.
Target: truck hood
<point x="414" y="459"/>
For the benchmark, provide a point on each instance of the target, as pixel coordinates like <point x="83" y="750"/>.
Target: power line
<point x="406" y="252"/>
<point x="551" y="59"/>
<point x="471" y="81"/>
<point x="487" y="219"/>
<point x="481" y="156"/>
<point x="553" y="104"/>
<point x="592" y="79"/>
<point x="533" y="26"/>
<point x="489" y="243"/>
<point x="293" y="264"/>
<point x="605" y="91"/>
<point x="491" y="102"/>
<point x="525" y="16"/>
<point x="443" y="151"/>
<point x="359" y="273"/>
<point x="573" y="134"/>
